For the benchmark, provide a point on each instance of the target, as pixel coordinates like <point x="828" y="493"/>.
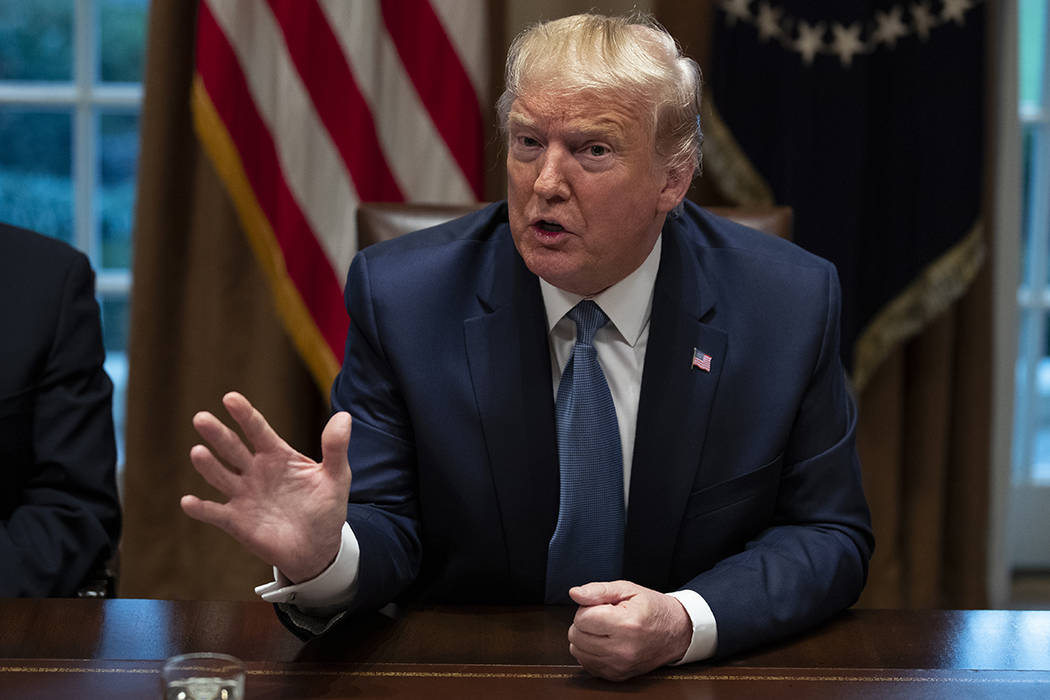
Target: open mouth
<point x="549" y="226"/>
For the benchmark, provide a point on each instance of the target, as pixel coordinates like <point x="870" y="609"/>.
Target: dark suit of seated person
<point x="695" y="489"/>
<point x="59" y="510"/>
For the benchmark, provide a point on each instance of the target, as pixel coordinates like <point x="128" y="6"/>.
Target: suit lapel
<point x="673" y="411"/>
<point x="509" y="361"/>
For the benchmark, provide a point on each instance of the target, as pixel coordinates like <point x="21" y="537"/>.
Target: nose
<point x="551" y="183"/>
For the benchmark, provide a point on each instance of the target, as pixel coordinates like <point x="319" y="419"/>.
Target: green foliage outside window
<point x="36" y="40"/>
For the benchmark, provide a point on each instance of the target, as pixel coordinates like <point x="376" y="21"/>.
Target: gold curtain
<point x="202" y="324"/>
<point x="925" y="412"/>
<point x="924" y="436"/>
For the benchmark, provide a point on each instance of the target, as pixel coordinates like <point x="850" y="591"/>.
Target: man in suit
<point x="735" y="513"/>
<point x="59" y="512"/>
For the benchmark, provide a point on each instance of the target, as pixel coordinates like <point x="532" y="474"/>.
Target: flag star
<point x="923" y="20"/>
<point x="847" y="42"/>
<point x="810" y="40"/>
<point x="736" y="9"/>
<point x="890" y="27"/>
<point x="956" y="10"/>
<point x="769" y="22"/>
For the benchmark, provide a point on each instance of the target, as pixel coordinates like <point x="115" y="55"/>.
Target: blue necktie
<point x="588" y="540"/>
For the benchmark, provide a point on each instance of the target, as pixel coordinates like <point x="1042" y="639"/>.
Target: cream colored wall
<point x="521" y="13"/>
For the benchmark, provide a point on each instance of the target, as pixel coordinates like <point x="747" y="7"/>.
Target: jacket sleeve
<point x="812" y="560"/>
<point x="67" y="517"/>
<point x="382" y="511"/>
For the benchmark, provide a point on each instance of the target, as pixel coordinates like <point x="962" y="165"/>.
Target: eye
<point x="597" y="150"/>
<point x="528" y="142"/>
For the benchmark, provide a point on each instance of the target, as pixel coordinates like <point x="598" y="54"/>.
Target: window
<point x="1031" y="441"/>
<point x="70" y="91"/>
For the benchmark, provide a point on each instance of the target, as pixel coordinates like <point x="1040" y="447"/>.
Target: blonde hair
<point x="630" y="57"/>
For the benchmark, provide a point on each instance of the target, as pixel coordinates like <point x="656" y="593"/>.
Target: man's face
<point x="587" y="194"/>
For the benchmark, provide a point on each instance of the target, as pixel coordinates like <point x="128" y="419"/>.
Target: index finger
<point x="599" y="620"/>
<point x="257" y="431"/>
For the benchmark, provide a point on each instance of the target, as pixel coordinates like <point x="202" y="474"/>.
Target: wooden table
<point x="115" y="648"/>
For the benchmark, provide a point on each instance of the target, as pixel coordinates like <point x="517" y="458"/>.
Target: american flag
<point x="308" y="107"/>
<point x="701" y="360"/>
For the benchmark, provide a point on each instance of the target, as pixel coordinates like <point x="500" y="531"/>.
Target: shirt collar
<point x="627" y="303"/>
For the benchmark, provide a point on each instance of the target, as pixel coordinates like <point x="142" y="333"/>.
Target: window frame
<point x="88" y="98"/>
<point x="1019" y="523"/>
<point x="1033" y="295"/>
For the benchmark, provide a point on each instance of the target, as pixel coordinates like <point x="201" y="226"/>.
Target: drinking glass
<point x="203" y="676"/>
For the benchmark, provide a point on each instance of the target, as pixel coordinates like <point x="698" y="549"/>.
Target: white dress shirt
<point x="620" y="345"/>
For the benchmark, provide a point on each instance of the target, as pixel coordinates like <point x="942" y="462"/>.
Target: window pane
<point x="1024" y="386"/>
<point x="36" y="187"/>
<point x="1027" y="153"/>
<point x="122" y="27"/>
<point x="1032" y="49"/>
<point x="118" y="154"/>
<point x="1031" y="448"/>
<point x="36" y="40"/>
<point x="1039" y="472"/>
<point x="115" y="314"/>
<point x="1035" y="217"/>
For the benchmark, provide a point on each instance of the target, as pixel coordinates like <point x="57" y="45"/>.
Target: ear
<point x="677" y="184"/>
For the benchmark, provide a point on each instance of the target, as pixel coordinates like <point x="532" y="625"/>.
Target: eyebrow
<point x="607" y="130"/>
<point x="519" y="119"/>
<point x="604" y="129"/>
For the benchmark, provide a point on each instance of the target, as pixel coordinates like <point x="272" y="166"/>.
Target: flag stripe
<point x="440" y="79"/>
<point x="418" y="155"/>
<point x="465" y="25"/>
<point x="342" y="109"/>
<point x="305" y="261"/>
<point x="216" y="142"/>
<point x="308" y="160"/>
<point x="308" y="108"/>
<point x="426" y="168"/>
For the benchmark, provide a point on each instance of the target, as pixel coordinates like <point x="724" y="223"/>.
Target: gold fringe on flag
<point x="291" y="308"/>
<point x="936" y="288"/>
<point x="733" y="173"/>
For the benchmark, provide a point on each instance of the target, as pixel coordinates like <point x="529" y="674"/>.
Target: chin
<point x="553" y="271"/>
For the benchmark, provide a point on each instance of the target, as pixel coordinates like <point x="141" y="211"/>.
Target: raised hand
<point x="282" y="506"/>
<point x="622" y="629"/>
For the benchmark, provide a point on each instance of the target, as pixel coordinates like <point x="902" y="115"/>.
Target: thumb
<point x="334" y="442"/>
<point x="602" y="592"/>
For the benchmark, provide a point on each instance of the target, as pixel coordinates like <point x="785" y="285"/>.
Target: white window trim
<point x="1019" y="533"/>
<point x="87" y="99"/>
<point x="1006" y="278"/>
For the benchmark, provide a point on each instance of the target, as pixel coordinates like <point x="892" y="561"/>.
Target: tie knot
<point x="588" y="317"/>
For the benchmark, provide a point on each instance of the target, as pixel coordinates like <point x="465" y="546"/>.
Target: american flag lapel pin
<point x="701" y="360"/>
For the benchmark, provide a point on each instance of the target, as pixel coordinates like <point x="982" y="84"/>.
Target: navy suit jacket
<point x="59" y="513"/>
<point x="745" y="484"/>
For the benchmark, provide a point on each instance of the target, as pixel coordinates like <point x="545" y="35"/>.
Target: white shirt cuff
<point x="332" y="588"/>
<point x="705" y="632"/>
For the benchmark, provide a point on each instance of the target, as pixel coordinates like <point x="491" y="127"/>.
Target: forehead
<point x="577" y="111"/>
